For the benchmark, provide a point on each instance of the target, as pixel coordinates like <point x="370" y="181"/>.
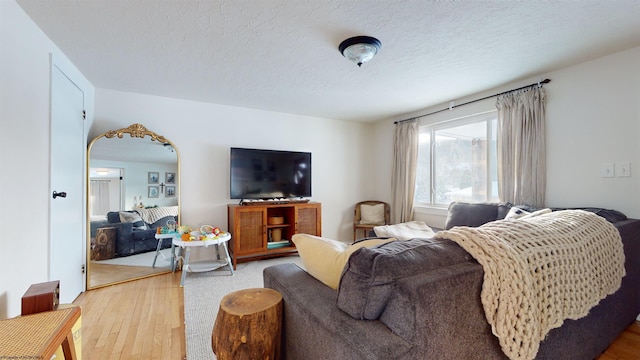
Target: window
<point x="457" y="161"/>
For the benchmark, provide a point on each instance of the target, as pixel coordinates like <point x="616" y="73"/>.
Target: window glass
<point x="457" y="161"/>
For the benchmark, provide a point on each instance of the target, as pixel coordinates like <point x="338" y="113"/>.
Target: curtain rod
<point x="539" y="84"/>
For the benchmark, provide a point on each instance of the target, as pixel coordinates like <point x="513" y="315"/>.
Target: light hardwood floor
<point x="626" y="346"/>
<point x="144" y="319"/>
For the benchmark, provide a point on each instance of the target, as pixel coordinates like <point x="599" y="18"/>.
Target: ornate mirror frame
<point x="135" y="131"/>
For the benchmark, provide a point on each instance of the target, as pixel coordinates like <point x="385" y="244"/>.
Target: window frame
<point x="450" y="123"/>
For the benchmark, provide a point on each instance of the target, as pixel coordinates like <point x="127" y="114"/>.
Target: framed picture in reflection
<point x="154" y="177"/>
<point x="154" y="192"/>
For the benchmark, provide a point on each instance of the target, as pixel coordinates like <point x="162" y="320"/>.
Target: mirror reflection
<point x="133" y="188"/>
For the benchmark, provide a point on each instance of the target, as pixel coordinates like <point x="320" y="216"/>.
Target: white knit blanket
<point x="152" y="215"/>
<point x="540" y="271"/>
<point x="405" y="231"/>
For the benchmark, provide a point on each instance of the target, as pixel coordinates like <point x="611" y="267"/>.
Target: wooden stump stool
<point x="248" y="325"/>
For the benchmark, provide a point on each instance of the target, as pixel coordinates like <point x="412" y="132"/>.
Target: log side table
<point x="248" y="325"/>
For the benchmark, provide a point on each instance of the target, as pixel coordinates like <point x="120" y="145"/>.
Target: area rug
<point x="203" y="293"/>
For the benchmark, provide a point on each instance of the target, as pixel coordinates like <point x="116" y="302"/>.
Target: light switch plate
<point x="623" y="169"/>
<point x="607" y="170"/>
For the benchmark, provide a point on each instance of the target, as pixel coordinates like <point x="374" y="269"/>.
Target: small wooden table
<point x="248" y="325"/>
<point x="38" y="336"/>
<point x="205" y="265"/>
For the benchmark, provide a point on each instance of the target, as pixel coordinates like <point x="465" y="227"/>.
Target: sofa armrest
<point x="314" y="327"/>
<point x="441" y="313"/>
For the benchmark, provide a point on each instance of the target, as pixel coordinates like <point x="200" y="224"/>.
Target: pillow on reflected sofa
<point x="325" y="258"/>
<point x="134" y="218"/>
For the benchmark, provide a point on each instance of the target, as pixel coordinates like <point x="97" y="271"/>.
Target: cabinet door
<point x="251" y="230"/>
<point x="308" y="219"/>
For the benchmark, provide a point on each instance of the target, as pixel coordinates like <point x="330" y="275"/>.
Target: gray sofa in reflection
<point x="129" y="239"/>
<point x="425" y="303"/>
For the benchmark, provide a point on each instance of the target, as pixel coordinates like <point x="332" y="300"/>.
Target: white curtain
<point x="99" y="193"/>
<point x="405" y="163"/>
<point x="521" y="147"/>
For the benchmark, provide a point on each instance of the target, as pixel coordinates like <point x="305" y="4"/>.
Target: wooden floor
<point x="626" y="346"/>
<point x="102" y="274"/>
<point x="144" y="319"/>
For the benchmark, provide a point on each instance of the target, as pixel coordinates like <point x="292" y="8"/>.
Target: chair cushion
<point x="372" y="214"/>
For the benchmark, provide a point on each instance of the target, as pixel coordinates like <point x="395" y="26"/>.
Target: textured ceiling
<point x="283" y="56"/>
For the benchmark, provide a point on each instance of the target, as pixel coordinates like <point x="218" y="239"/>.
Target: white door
<point x="67" y="254"/>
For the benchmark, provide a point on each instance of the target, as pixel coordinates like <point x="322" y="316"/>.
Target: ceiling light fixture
<point x="102" y="172"/>
<point x="360" y="49"/>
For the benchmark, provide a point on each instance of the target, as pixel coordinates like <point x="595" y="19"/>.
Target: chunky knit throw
<point x="540" y="271"/>
<point x="152" y="215"/>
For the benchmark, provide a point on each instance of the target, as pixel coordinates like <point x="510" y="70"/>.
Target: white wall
<point x="135" y="181"/>
<point x="24" y="151"/>
<point x="203" y="134"/>
<point x="593" y="117"/>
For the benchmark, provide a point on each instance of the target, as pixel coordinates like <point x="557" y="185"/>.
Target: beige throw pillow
<point x="134" y="218"/>
<point x="325" y="258"/>
<point x="372" y="214"/>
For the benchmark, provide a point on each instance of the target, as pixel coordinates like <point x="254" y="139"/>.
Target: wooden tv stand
<point x="251" y="230"/>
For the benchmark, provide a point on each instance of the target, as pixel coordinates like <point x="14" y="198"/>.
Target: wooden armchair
<point x="373" y="216"/>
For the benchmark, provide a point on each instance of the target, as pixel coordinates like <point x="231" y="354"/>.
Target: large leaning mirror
<point x="133" y="178"/>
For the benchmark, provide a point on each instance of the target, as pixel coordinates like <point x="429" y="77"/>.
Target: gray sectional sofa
<point x="423" y="302"/>
<point x="133" y="238"/>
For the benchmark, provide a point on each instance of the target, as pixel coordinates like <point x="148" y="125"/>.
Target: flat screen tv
<point x="270" y="174"/>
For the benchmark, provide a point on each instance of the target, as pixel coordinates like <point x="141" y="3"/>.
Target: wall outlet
<point x="607" y="170"/>
<point x="623" y="169"/>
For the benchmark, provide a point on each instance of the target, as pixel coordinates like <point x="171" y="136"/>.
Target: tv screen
<point x="270" y="174"/>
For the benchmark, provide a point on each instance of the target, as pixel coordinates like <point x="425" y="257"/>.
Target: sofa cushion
<point x="113" y="217"/>
<point x="144" y="235"/>
<point x="370" y="276"/>
<point x="611" y="216"/>
<point x="474" y="214"/>
<point x="325" y="258"/>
